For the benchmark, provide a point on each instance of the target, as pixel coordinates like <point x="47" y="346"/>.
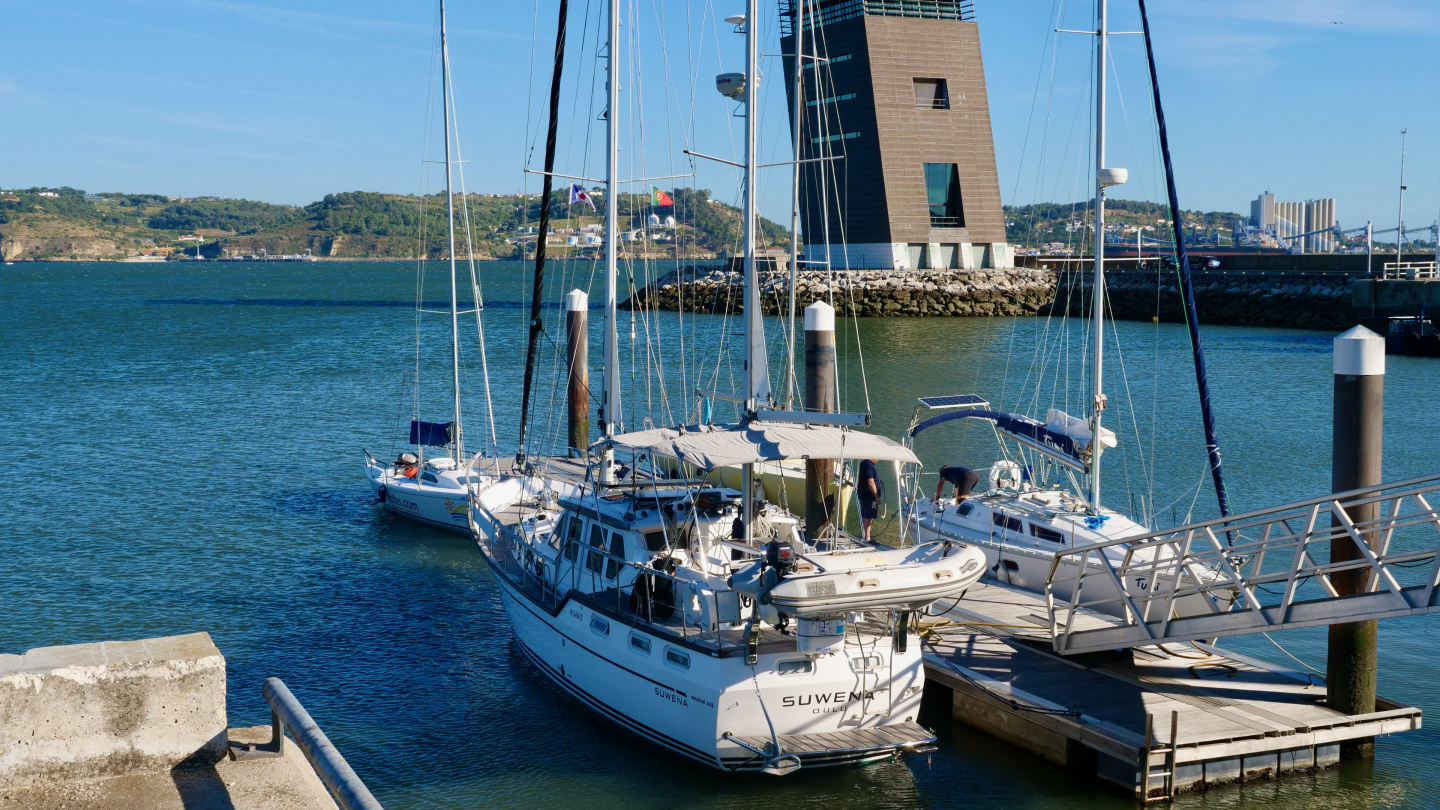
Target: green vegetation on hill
<point x="64" y="223"/>
<point x="1039" y="224"/>
<point x="238" y="216"/>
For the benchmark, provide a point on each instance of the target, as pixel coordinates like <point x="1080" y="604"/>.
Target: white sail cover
<point x="1077" y="429"/>
<point x="712" y="446"/>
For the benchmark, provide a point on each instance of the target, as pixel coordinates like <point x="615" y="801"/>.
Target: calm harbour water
<point x="186" y="447"/>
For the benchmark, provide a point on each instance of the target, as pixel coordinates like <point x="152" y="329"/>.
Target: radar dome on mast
<point x="1112" y="177"/>
<point x="731" y="85"/>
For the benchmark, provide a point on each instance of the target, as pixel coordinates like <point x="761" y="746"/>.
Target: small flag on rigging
<point x="658" y="197"/>
<point x="578" y="194"/>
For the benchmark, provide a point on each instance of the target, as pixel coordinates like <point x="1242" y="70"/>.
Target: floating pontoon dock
<point x="1192" y="716"/>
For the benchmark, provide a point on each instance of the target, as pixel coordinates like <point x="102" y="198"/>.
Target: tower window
<point x="931" y="94"/>
<point x="942" y="190"/>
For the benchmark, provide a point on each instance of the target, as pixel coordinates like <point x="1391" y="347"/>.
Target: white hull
<point x="691" y="712"/>
<point x="444" y="505"/>
<point x="592" y="646"/>
<point x="1021" y="560"/>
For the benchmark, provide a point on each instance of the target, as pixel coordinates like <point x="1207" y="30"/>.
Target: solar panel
<point x="954" y="401"/>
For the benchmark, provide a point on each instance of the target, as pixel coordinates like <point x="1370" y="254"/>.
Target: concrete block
<point x="112" y="707"/>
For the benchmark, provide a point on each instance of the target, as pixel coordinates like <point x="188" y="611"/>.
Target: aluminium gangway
<point x="1265" y="570"/>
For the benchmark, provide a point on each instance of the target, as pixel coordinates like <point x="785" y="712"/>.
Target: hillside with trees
<point x="1040" y="225"/>
<point x="69" y="224"/>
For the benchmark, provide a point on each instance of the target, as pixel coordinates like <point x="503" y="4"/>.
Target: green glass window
<point x="942" y="190"/>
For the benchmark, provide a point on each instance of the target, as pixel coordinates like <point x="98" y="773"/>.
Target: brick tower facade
<point x="897" y="88"/>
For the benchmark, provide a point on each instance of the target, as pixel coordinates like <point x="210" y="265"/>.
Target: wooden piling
<point x="577" y="351"/>
<point x="1355" y="462"/>
<point x="819" y="398"/>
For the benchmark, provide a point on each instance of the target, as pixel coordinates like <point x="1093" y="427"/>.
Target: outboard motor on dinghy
<point x="407" y="460"/>
<point x="779" y="556"/>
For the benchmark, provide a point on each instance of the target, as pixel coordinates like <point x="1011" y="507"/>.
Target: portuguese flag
<point x="658" y="197"/>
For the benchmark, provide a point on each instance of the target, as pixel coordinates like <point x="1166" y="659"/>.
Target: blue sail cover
<point x="1027" y="431"/>
<point x="430" y="434"/>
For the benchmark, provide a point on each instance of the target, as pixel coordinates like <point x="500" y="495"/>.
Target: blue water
<point x="185" y="452"/>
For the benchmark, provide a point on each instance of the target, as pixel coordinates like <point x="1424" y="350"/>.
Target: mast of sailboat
<point x="757" y="378"/>
<point x="1187" y="283"/>
<point x="1098" y="290"/>
<point x="450" y="228"/>
<point x="796" y="93"/>
<point x="537" y="289"/>
<point x="610" y="398"/>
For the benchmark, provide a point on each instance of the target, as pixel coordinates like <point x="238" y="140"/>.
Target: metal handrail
<point x="1263" y="570"/>
<point x="339" y="778"/>
<point x="1404" y="270"/>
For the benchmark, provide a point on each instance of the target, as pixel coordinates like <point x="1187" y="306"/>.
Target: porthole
<point x="677" y="659"/>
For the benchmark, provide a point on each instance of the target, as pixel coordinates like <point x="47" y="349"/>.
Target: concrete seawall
<point x="116" y="707"/>
<point x="1293" y="300"/>
<point x="908" y="293"/>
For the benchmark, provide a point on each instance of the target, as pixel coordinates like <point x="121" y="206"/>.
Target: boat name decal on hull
<point x="826" y="702"/>
<point x="666" y="694"/>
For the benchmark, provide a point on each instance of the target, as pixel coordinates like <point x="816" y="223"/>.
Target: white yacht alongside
<point x="764" y="652"/>
<point x="699" y="616"/>
<point x="1028" y="514"/>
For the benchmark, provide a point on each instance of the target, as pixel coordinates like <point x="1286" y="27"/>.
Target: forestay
<point x="712" y="446"/>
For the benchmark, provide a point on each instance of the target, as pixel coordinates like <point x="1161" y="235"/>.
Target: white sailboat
<point x="435" y="490"/>
<point x="1027" y="513"/>
<point x="700" y="617"/>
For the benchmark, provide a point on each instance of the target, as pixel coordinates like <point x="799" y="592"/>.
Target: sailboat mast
<point x="1187" y="282"/>
<point x="799" y="83"/>
<point x="756" y="377"/>
<point x="611" y="397"/>
<point x="450" y="229"/>
<point x="757" y="382"/>
<point x="1098" y="291"/>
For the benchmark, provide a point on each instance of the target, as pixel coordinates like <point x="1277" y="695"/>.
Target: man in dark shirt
<point x="869" y="489"/>
<point x="963" y="479"/>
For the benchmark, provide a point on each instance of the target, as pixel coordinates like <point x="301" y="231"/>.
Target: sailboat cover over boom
<point x="712" y="446"/>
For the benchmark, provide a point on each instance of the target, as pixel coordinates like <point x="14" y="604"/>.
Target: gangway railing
<point x="1260" y="571"/>
<point x="1409" y="270"/>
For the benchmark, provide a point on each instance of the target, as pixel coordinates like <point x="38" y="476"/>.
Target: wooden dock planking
<point x="1237" y="718"/>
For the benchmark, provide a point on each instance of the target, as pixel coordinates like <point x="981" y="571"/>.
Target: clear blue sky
<point x="287" y="101"/>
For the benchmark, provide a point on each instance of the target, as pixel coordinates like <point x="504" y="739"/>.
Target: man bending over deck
<point x="963" y="479"/>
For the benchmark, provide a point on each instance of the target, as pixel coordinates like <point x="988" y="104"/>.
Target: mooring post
<point x="819" y="398"/>
<point x="577" y="356"/>
<point x="1354" y="463"/>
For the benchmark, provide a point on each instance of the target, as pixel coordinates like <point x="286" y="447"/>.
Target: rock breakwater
<point x="885" y="293"/>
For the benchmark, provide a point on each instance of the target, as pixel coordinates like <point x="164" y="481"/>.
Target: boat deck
<point x="1212" y="716"/>
<point x="848" y="745"/>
